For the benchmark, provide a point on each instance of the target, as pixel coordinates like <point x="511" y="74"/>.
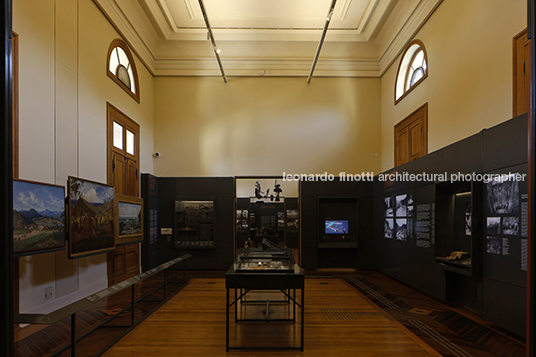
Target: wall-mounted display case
<point x="194" y="224"/>
<point x="459" y="227"/>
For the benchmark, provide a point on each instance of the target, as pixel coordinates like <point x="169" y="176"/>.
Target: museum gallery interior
<point x="227" y="177"/>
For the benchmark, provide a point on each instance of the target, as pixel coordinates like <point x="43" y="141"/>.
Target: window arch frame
<point x="123" y="45"/>
<point x="404" y="68"/>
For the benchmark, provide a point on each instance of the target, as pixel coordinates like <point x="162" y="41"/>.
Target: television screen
<point x="336" y="227"/>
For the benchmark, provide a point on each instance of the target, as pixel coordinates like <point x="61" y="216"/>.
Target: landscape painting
<point x="91" y="217"/>
<point x="38" y="217"/>
<point x="129" y="219"/>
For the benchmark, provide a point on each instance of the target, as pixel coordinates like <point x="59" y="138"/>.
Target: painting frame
<point x="91" y="227"/>
<point x="37" y="213"/>
<point x="136" y="203"/>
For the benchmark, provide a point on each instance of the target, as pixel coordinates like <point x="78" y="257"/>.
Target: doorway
<point x="123" y="152"/>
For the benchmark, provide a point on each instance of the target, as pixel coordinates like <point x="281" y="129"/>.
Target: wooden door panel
<point x="132" y="255"/>
<point x="132" y="178"/>
<point x="402" y="140"/>
<point x="119" y="258"/>
<point x="119" y="174"/>
<point x="521" y="75"/>
<point x="411" y="136"/>
<point x="415" y="139"/>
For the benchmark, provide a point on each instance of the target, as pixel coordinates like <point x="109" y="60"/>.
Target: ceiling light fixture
<point x="211" y="36"/>
<point x="328" y="19"/>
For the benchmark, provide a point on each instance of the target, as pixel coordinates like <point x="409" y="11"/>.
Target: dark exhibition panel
<point x="462" y="239"/>
<point x="336" y="229"/>
<point x="191" y="215"/>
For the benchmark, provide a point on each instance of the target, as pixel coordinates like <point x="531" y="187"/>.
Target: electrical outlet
<point x="48" y="293"/>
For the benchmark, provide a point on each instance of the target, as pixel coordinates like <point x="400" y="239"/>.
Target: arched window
<point x="122" y="69"/>
<point x="413" y="69"/>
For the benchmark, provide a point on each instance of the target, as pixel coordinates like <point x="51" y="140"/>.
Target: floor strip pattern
<point x="443" y="329"/>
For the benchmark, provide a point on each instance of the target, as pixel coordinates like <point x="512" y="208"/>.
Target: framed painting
<point x="38" y="217"/>
<point x="91" y="217"/>
<point x="128" y="219"/>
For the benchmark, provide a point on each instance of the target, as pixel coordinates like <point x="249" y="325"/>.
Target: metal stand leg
<point x="73" y="335"/>
<point x="133" y="302"/>
<point x="302" y="317"/>
<point x="236" y="305"/>
<point x="165" y="283"/>
<point x="227" y="323"/>
<point x="294" y="306"/>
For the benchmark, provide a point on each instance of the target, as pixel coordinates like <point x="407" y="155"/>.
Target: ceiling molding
<point x="370" y="64"/>
<point x="272" y="67"/>
<point x="121" y="23"/>
<point x="404" y="36"/>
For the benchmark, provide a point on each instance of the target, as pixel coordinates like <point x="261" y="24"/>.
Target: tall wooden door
<point x="522" y="49"/>
<point x="411" y="136"/>
<point x="123" y="174"/>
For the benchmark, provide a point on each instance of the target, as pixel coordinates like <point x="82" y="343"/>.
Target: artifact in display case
<point x="458" y="227"/>
<point x="194" y="224"/>
<point x="259" y="261"/>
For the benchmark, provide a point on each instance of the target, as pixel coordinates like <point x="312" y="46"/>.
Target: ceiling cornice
<point x="117" y="18"/>
<point x="403" y="37"/>
<point x="273" y="68"/>
<point x="159" y="65"/>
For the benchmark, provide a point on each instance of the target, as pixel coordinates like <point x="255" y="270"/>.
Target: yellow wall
<point x="266" y="126"/>
<point x="469" y="85"/>
<point x="64" y="88"/>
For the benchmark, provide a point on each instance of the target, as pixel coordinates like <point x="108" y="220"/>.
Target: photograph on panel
<point x="467" y="218"/>
<point x="389" y="228"/>
<point x="510" y="226"/>
<point x="494" y="225"/>
<point x="494" y="245"/>
<point x="389" y="207"/>
<point x="401" y="229"/>
<point x="402" y="203"/>
<point x="503" y="195"/>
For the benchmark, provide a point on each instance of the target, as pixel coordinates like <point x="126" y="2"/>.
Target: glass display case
<point x="249" y="260"/>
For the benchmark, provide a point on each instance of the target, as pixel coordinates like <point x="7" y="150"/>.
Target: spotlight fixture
<point x="328" y="19"/>
<point x="211" y="37"/>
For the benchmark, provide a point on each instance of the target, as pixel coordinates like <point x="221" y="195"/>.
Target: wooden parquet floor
<point x="348" y="314"/>
<point x="338" y="322"/>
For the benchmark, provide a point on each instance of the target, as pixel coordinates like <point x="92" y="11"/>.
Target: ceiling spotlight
<point x="328" y="18"/>
<point x="216" y="49"/>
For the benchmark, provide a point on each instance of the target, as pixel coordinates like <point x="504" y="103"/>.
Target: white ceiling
<point x="278" y="37"/>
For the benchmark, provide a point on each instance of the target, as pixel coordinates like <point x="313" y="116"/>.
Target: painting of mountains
<point x="129" y="219"/>
<point x="91" y="217"/>
<point x="38" y="217"/>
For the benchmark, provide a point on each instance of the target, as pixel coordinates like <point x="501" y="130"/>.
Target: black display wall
<point x="160" y="245"/>
<point x="495" y="286"/>
<point x="341" y="200"/>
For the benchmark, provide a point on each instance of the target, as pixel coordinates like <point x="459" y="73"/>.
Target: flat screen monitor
<point x="336" y="227"/>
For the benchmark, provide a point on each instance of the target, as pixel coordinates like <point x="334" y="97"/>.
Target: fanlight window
<point x="122" y="69"/>
<point x="412" y="71"/>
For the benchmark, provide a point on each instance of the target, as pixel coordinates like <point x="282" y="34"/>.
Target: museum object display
<point x="256" y="260"/>
<point x="38" y="217"/>
<point x="91" y="217"/>
<point x="270" y="269"/>
<point x="128" y="219"/>
<point x="194" y="224"/>
<point x="458" y="233"/>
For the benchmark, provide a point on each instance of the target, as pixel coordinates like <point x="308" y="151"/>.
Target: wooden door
<point x="123" y="174"/>
<point x="411" y="136"/>
<point x="521" y="75"/>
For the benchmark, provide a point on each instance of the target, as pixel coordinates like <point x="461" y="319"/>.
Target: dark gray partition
<point x="464" y="156"/>
<point x="220" y="190"/>
<point x="506" y="144"/>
